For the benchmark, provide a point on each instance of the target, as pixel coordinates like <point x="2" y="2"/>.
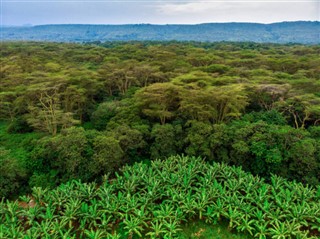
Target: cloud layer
<point x="19" y="12"/>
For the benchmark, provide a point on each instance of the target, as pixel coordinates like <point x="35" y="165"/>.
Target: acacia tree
<point x="45" y="113"/>
<point x="215" y="104"/>
<point x="159" y="100"/>
<point x="302" y="108"/>
<point x="266" y="95"/>
<point x="119" y="76"/>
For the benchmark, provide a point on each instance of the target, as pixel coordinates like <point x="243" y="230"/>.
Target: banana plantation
<point x="156" y="200"/>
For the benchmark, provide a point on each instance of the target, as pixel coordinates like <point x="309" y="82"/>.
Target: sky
<point x="39" y="12"/>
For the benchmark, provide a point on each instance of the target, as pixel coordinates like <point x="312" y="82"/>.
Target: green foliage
<point x="103" y="114"/>
<point x="165" y="141"/>
<point x="270" y="117"/>
<point x="197" y="139"/>
<point x="263" y="149"/>
<point x="18" y="125"/>
<point x="217" y="68"/>
<point x="159" y="101"/>
<point x="162" y="199"/>
<point x="12" y="174"/>
<point x="245" y="104"/>
<point x="108" y="155"/>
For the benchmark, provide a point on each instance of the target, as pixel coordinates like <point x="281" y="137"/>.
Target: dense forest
<point x="83" y="111"/>
<point x="306" y="32"/>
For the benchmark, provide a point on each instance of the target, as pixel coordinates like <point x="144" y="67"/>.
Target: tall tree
<point x="159" y="100"/>
<point x="45" y="114"/>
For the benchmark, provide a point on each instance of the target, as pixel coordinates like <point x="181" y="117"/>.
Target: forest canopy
<point x="79" y="111"/>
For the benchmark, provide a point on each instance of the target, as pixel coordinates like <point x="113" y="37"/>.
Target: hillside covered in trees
<point x="283" y="32"/>
<point x="83" y="111"/>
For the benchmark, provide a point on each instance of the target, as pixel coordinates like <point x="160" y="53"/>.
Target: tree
<point x="302" y="108"/>
<point x="65" y="155"/>
<point x="159" y="100"/>
<point x="103" y="114"/>
<point x="70" y="152"/>
<point x="46" y="114"/>
<point x="198" y="139"/>
<point x="266" y="95"/>
<point x="214" y="104"/>
<point x="107" y="155"/>
<point x="165" y="140"/>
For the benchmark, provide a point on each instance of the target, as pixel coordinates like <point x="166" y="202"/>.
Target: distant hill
<point x="284" y="32"/>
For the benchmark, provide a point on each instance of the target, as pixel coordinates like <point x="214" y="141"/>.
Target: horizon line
<point x="157" y="24"/>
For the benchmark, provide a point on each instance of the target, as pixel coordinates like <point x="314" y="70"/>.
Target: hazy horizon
<point x="159" y="12"/>
<point x="30" y="25"/>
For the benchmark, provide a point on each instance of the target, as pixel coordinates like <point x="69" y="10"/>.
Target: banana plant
<point x="38" y="193"/>
<point x="189" y="205"/>
<point x="261" y="195"/>
<point x="104" y="193"/>
<point x="246" y="224"/>
<point x="234" y="216"/>
<point x="151" y="190"/>
<point x="277" y="182"/>
<point x="133" y="225"/>
<point x="43" y="229"/>
<point x="210" y="215"/>
<point x="114" y="235"/>
<point x="233" y="185"/>
<point x="279" y="230"/>
<point x="316" y="225"/>
<point x="172" y="227"/>
<point x="69" y="215"/>
<point x="219" y="208"/>
<point x="49" y="214"/>
<point x="165" y="211"/>
<point x="87" y="191"/>
<point x="157" y="203"/>
<point x="261" y="229"/>
<point x="293" y="227"/>
<point x="156" y="230"/>
<point x="95" y="234"/>
<point x="35" y="232"/>
<point x="89" y="214"/>
<point x="305" y="235"/>
<point x="14" y="231"/>
<point x="56" y="226"/>
<point x="66" y="234"/>
<point x="106" y="222"/>
<point x="299" y="212"/>
<point x="32" y="214"/>
<point x="201" y="202"/>
<point x="259" y="215"/>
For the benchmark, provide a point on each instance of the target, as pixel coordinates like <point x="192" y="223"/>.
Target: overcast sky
<point x="36" y="12"/>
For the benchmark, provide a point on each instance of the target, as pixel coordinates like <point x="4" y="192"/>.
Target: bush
<point x="12" y="174"/>
<point x="18" y="125"/>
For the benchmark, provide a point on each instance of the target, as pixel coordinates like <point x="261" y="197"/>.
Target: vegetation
<point x="73" y="113"/>
<point x="85" y="110"/>
<point x="156" y="201"/>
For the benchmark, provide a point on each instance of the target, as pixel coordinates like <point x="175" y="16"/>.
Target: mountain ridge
<point x="305" y="32"/>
